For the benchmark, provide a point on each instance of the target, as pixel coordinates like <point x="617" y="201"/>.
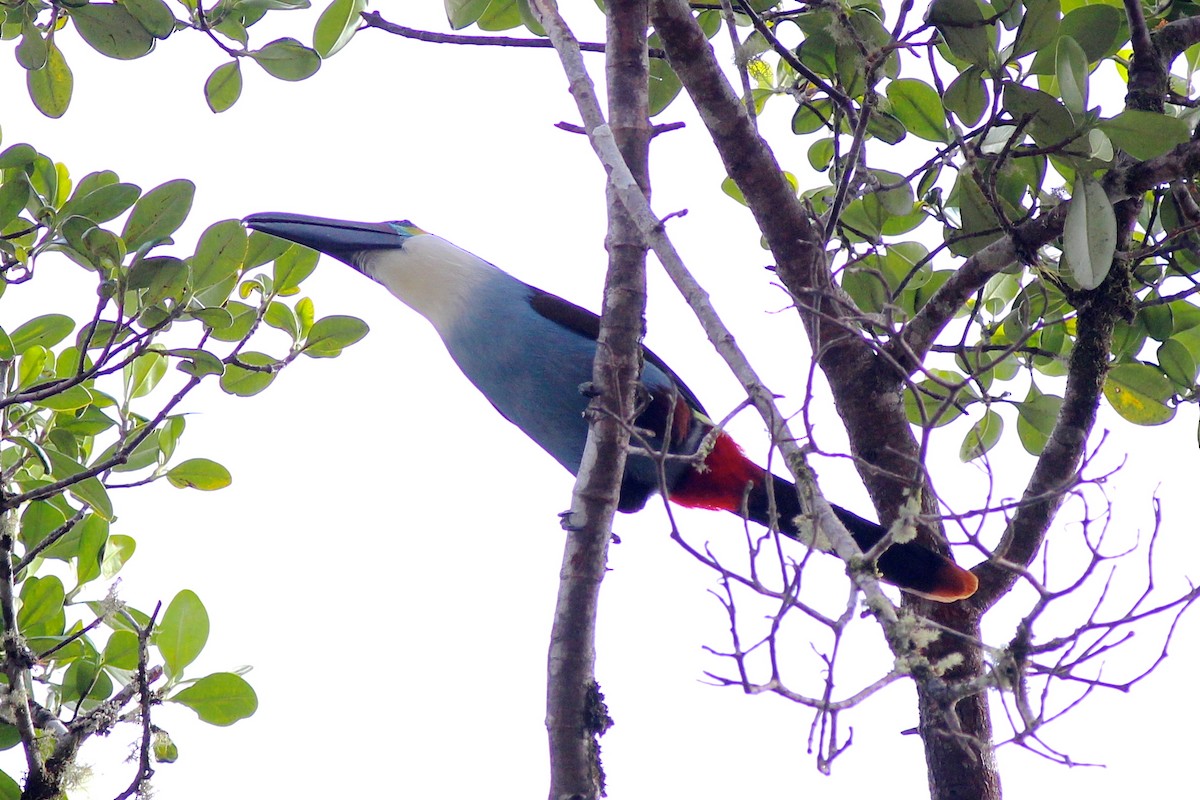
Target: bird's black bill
<point x="340" y="239"/>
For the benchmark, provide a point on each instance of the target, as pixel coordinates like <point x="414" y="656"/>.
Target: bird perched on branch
<point x="529" y="352"/>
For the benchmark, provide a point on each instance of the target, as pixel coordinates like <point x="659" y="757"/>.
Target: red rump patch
<point x="721" y="483"/>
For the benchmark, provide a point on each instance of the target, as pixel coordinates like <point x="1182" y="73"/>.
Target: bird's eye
<point x="405" y="227"/>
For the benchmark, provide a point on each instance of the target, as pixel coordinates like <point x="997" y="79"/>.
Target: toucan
<point x="530" y="353"/>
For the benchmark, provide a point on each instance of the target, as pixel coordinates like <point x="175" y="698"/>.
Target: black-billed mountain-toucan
<point x="529" y="352"/>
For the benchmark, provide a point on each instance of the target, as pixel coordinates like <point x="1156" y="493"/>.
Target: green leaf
<point x="121" y="650"/>
<point x="38" y="520"/>
<point x="729" y="187"/>
<point x="962" y="25"/>
<point x="89" y="422"/>
<point x="153" y="15"/>
<point x="1050" y="124"/>
<point x="112" y="31"/>
<point x="931" y="404"/>
<point x="262" y="248"/>
<point x="117" y="551"/>
<point x="246" y="382"/>
<point x="462" y="13"/>
<point x="105" y="203"/>
<point x="85" y="680"/>
<point x="280" y="317"/>
<point x="87" y="490"/>
<point x="14" y="194"/>
<point x="41" y="601"/>
<point x="183" y="631"/>
<point x="287" y="60"/>
<point x="159" y="213"/>
<point x="169" y="433"/>
<point x="32" y="52"/>
<point x="143" y="374"/>
<point x="291" y="268"/>
<point x="45" y="331"/>
<point x="1039" y="25"/>
<point x="918" y="106"/>
<point x="1139" y="393"/>
<point x="1089" y="232"/>
<point x="216" y="318"/>
<point x="664" y="86"/>
<point x="820" y="154"/>
<point x="70" y="399"/>
<point x="1177" y="362"/>
<point x="30" y="368"/>
<point x="199" y="473"/>
<point x="1035" y="421"/>
<point x="886" y="127"/>
<point x="50" y="87"/>
<point x="1099" y="29"/>
<point x="1144" y="134"/>
<point x="9" y="788"/>
<point x="337" y="26"/>
<point x="223" y="87"/>
<point x="1071" y="69"/>
<point x="982" y="437"/>
<point x="198" y="362"/>
<point x="329" y="335"/>
<point x="243" y="320"/>
<point x="219" y="254"/>
<point x="967" y="96"/>
<point x="220" y="699"/>
<point x="93" y="536"/>
<point x="20" y="156"/>
<point x="274" y="5"/>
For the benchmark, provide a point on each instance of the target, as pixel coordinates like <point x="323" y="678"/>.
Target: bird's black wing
<point x="586" y="323"/>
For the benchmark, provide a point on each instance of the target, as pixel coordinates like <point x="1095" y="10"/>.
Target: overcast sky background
<point x="387" y="557"/>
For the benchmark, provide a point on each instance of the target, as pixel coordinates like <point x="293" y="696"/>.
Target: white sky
<point x="387" y="557"/>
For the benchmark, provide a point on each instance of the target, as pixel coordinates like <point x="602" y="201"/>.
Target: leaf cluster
<point x="132" y="29"/>
<point x="90" y="407"/>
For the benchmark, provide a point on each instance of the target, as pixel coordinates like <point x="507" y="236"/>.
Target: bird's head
<point x="346" y="241"/>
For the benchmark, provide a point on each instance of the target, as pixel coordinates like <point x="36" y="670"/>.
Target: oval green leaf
<point x="41" y="601"/>
<point x="220" y="699"/>
<point x="1144" y="134"/>
<point x="183" y="631"/>
<point x="223" y="87"/>
<point x="88" y="490"/>
<point x="1071" y="69"/>
<point x="1089" y="232"/>
<point x="46" y="331"/>
<point x="918" y="106"/>
<point x="153" y="15"/>
<point x="1036" y="417"/>
<point x="329" y="335"/>
<point x="337" y="26"/>
<point x="982" y="437"/>
<point x="219" y="254"/>
<point x="248" y="382"/>
<point x="287" y="60"/>
<point x="121" y="650"/>
<point x="50" y="87"/>
<point x="292" y="267"/>
<point x="117" y="551"/>
<point x="112" y="31"/>
<point x="159" y="213"/>
<point x="199" y="473"/>
<point x="1139" y="393"/>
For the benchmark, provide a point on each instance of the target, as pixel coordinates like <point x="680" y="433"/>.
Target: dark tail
<point x="910" y="566"/>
